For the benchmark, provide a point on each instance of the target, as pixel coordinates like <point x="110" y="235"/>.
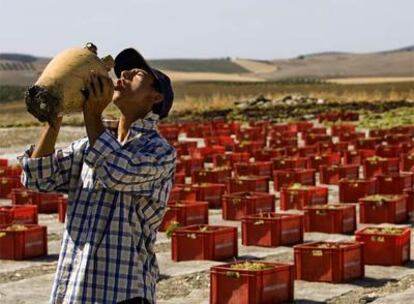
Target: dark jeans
<point x="135" y="301"/>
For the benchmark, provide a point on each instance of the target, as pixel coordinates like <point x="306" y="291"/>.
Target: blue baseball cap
<point x="129" y="59"/>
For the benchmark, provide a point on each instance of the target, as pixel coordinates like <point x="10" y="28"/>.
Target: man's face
<point x="135" y="90"/>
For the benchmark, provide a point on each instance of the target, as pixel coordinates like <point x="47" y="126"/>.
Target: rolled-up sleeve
<point x="48" y="173"/>
<point x="132" y="169"/>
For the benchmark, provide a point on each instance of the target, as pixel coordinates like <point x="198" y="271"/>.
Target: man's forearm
<point x="47" y="141"/>
<point x="94" y="127"/>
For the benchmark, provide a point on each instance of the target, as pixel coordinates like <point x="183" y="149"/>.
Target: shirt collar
<point x="149" y="122"/>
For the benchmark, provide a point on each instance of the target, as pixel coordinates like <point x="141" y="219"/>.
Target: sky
<point x="259" y="29"/>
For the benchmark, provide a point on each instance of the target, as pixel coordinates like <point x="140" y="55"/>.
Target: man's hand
<point x="100" y="91"/>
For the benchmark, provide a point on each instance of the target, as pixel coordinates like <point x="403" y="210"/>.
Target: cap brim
<point x="129" y="59"/>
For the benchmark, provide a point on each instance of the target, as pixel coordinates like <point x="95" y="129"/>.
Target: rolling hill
<point x="23" y="70"/>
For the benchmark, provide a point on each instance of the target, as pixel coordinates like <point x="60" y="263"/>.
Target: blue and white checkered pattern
<point x="117" y="198"/>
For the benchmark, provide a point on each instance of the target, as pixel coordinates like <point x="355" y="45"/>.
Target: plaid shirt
<point x="117" y="197"/>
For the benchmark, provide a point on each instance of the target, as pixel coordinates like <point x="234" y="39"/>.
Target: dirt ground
<point x="188" y="282"/>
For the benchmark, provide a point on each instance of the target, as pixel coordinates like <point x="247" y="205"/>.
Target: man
<point x="117" y="186"/>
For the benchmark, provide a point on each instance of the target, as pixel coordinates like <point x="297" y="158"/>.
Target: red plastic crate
<point x="315" y="131"/>
<point x="4" y="162"/>
<point x="216" y="175"/>
<point x="271" y="229"/>
<point x="284" y="134"/>
<point x="47" y="202"/>
<point x="300" y="126"/>
<point x="287" y="177"/>
<point x="299" y="196"/>
<point x="349" y="116"/>
<point x="332" y="174"/>
<point x="366" y="153"/>
<point x="170" y="133"/>
<point x="266" y="154"/>
<point x="377" y="209"/>
<point x="21" y="196"/>
<point x="207" y="153"/>
<point x="329" y="261"/>
<point x="383" y="248"/>
<point x="312" y="139"/>
<point x="185" y="213"/>
<point x="179" y="178"/>
<point x="389" y="151"/>
<point x="248" y="183"/>
<point x="394" y="184"/>
<point x="351" y="136"/>
<point x="14" y="171"/>
<point x="378" y="132"/>
<point x="251" y="134"/>
<point x="283" y="142"/>
<point x="258" y="168"/>
<point x="407" y="162"/>
<point x="7" y="184"/>
<point x="227" y="160"/>
<point x="332" y="218"/>
<point x="293" y="151"/>
<point x="23" y="244"/>
<point x="182" y="193"/>
<point x="267" y="286"/>
<point x="306" y="151"/>
<point x="370" y="143"/>
<point x="374" y="166"/>
<point x="352" y="157"/>
<point x="324" y="148"/>
<point x="282" y="163"/>
<point x="26" y="214"/>
<point x="350" y="191"/>
<point x="62" y="206"/>
<point x="204" y="242"/>
<point x="236" y="205"/>
<point x="192" y="164"/>
<point x="395" y="139"/>
<point x="324" y="159"/>
<point x="407" y="146"/>
<point x="410" y="199"/>
<point x="338" y="129"/>
<point x="185" y="146"/>
<point x="209" y="192"/>
<point x="249" y="146"/>
<point x="329" y="116"/>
